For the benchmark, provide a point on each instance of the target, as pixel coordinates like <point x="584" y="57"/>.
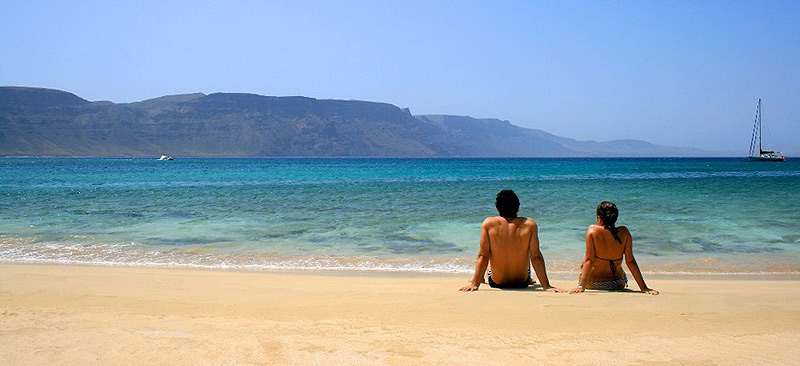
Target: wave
<point x="392" y="180"/>
<point x="28" y="251"/>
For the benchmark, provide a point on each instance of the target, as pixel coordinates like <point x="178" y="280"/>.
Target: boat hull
<point x="767" y="158"/>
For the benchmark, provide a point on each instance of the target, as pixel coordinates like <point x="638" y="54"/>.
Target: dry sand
<point x="74" y="315"/>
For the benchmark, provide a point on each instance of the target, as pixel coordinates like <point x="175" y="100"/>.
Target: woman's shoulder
<point x="594" y="229"/>
<point x="624" y="233"/>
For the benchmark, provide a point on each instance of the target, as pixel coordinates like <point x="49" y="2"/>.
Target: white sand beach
<point x="80" y="315"/>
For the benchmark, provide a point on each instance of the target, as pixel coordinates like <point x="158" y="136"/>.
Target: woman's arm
<point x="587" y="266"/>
<point x="630" y="261"/>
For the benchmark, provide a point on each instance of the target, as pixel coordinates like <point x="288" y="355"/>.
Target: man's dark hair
<point x="507" y="203"/>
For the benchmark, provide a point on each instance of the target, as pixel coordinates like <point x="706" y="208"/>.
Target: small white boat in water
<point x="165" y="157"/>
<point x="756" y="153"/>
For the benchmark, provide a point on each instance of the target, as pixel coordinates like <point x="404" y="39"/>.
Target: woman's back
<point x="608" y="252"/>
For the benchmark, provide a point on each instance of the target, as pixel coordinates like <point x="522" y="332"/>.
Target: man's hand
<point x="469" y="288"/>
<point x="553" y="289"/>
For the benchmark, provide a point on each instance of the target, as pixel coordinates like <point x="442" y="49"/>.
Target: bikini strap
<point x="610" y="261"/>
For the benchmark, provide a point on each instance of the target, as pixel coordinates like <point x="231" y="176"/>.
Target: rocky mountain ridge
<point x="46" y="122"/>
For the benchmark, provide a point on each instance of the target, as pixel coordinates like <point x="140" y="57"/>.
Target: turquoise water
<point x="686" y="215"/>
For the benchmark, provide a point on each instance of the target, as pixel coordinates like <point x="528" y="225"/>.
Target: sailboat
<point x="756" y="152"/>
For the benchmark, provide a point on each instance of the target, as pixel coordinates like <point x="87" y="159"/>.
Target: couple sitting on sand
<point x="508" y="242"/>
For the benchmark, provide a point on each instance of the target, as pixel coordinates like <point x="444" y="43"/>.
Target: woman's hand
<point x="469" y="288"/>
<point x="576" y="290"/>
<point x="650" y="291"/>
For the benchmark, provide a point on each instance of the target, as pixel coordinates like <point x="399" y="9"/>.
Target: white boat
<point x="756" y="152"/>
<point x="165" y="157"/>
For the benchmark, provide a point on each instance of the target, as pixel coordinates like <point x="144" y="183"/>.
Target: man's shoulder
<point x="527" y="221"/>
<point x="493" y="220"/>
<point x="499" y="221"/>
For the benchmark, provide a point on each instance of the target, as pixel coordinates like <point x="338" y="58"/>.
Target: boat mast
<point x="759" y="127"/>
<point x="756" y="132"/>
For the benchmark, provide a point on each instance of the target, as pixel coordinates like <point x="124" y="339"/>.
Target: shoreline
<point x="93" y="315"/>
<point x="558" y="275"/>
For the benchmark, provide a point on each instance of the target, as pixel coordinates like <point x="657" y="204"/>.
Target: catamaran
<point x="756" y="152"/>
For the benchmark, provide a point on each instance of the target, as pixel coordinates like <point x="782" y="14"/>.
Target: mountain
<point x="45" y="122"/>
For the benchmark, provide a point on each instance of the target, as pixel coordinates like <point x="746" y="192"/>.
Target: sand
<point x="83" y="315"/>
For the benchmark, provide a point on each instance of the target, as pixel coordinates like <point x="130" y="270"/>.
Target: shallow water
<point x="686" y="215"/>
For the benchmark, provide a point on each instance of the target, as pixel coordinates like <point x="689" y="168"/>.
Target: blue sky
<point x="674" y="73"/>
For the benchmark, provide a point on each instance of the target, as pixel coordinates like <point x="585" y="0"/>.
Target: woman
<point x="606" y="246"/>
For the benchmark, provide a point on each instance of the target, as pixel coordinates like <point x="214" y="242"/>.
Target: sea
<point x="686" y="215"/>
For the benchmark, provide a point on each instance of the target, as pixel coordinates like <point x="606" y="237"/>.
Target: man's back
<point x="509" y="243"/>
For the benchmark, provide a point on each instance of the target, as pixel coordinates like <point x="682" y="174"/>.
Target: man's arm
<point x="537" y="260"/>
<point x="483" y="259"/>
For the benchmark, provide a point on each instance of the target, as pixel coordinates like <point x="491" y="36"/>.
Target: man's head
<point x="507" y="204"/>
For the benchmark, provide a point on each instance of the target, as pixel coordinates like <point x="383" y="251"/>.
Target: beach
<point x="95" y="315"/>
<point x="359" y="262"/>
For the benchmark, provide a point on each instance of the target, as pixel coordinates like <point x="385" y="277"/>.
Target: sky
<point x="684" y="73"/>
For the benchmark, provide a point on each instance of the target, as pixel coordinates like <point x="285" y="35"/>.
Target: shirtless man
<point x="509" y="243"/>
